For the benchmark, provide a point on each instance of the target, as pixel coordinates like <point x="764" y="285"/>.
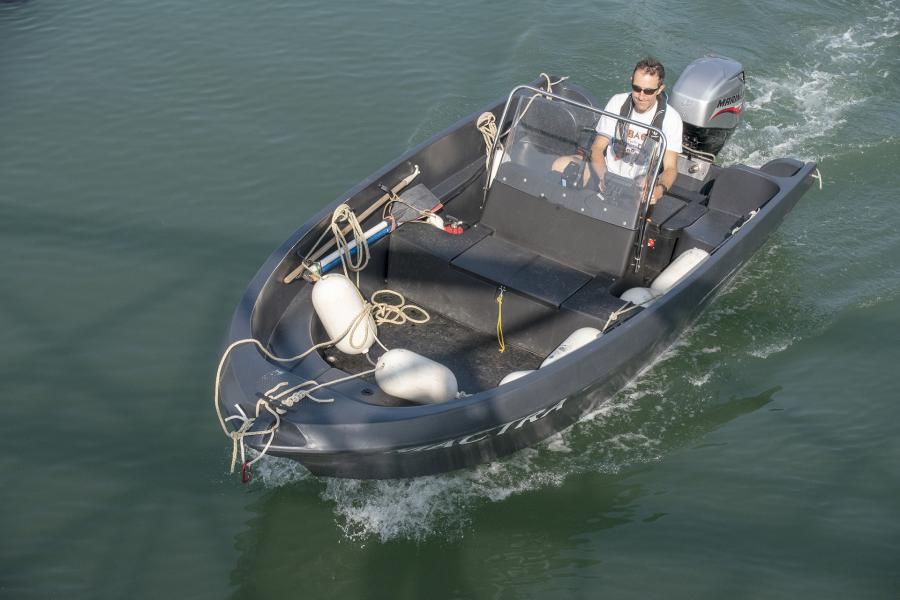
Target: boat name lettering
<point x="478" y="436"/>
<point x="728" y="100"/>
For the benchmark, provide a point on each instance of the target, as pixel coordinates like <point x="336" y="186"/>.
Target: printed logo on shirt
<point x="634" y="141"/>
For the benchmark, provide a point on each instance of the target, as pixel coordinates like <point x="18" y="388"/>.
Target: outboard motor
<point x="709" y="96"/>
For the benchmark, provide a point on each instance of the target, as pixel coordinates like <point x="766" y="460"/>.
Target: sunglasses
<point x="646" y="91"/>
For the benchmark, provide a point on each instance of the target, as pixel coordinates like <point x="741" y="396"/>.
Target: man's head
<point x="647" y="83"/>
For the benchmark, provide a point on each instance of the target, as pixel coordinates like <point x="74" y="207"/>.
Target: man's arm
<point x="667" y="177"/>
<point x="598" y="158"/>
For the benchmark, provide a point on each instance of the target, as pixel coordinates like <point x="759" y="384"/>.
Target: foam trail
<point x="606" y="441"/>
<point x="415" y="509"/>
<point x="796" y="110"/>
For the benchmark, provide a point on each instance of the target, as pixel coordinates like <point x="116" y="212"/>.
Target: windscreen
<point x="548" y="154"/>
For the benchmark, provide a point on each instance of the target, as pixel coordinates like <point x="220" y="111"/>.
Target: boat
<point x="472" y="297"/>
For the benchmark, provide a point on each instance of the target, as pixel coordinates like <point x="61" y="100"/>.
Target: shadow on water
<point x="295" y="543"/>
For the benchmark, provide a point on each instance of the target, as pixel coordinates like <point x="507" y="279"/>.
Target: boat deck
<point x="472" y="356"/>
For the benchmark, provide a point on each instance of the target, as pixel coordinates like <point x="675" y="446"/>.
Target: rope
<point x="318" y="251"/>
<point x="625" y="308"/>
<point x="500" y="340"/>
<point x="550" y="85"/>
<point x="383" y="312"/>
<point x="818" y="175"/>
<point x="345" y="214"/>
<point x="424" y="213"/>
<point x="487" y="125"/>
<point x="237" y="436"/>
<point x="396" y="314"/>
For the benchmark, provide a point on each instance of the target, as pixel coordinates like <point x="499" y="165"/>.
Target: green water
<point x="152" y="155"/>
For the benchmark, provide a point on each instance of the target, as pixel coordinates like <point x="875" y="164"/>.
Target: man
<point x="623" y="149"/>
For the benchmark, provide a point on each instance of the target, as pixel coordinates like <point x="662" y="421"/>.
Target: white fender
<point x="639" y="295"/>
<point x="513" y="376"/>
<point x="675" y="272"/>
<point x="338" y="303"/>
<point x="576" y="340"/>
<point x="405" y="374"/>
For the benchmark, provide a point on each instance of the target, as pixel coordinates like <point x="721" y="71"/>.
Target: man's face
<point x="644" y="80"/>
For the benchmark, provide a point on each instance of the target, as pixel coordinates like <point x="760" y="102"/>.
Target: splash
<point x="655" y="412"/>
<point x="613" y="437"/>
<point x="798" y="109"/>
<point x="440" y="505"/>
<point x="275" y="472"/>
<point x="770" y="349"/>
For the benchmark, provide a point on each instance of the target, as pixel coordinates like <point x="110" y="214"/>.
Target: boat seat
<point x="548" y="125"/>
<point x="517" y="268"/>
<point x="594" y="299"/>
<point x="682" y="219"/>
<point x="687" y="195"/>
<point x="736" y="192"/>
<point x="525" y="209"/>
<point x="707" y="232"/>
<point x="544" y="303"/>
<point x="528" y="153"/>
<point x="782" y="167"/>
<point x="666" y="208"/>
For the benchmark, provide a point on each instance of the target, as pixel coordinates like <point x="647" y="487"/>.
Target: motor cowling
<point x="709" y="96"/>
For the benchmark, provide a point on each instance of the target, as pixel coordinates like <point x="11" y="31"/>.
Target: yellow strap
<point x="500" y="321"/>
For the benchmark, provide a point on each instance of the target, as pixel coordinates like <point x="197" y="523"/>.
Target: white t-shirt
<point x="671" y="127"/>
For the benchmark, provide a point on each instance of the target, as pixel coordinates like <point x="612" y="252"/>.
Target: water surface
<point x="152" y="155"/>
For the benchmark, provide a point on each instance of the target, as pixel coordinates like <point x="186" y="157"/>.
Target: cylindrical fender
<point x="675" y="272"/>
<point x="405" y="374"/>
<point x="576" y="340"/>
<point x="639" y="295"/>
<point x="513" y="376"/>
<point x="338" y="303"/>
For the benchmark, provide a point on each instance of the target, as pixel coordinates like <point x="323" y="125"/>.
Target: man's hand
<point x="601" y="176"/>
<point x="598" y="162"/>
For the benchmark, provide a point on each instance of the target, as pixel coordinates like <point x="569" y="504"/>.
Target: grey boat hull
<point x="355" y="436"/>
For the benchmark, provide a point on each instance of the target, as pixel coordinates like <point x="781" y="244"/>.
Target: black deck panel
<point x="439" y="243"/>
<point x="684" y="218"/>
<point x="472" y="356"/>
<point x="595" y="299"/>
<point x="520" y="269"/>
<point x="708" y="231"/>
<point x="665" y="208"/>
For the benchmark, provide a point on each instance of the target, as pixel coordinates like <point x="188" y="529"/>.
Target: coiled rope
<point x="397" y="314"/>
<point x="383" y="312"/>
<point x="487" y="125"/>
<point x="344" y="214"/>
